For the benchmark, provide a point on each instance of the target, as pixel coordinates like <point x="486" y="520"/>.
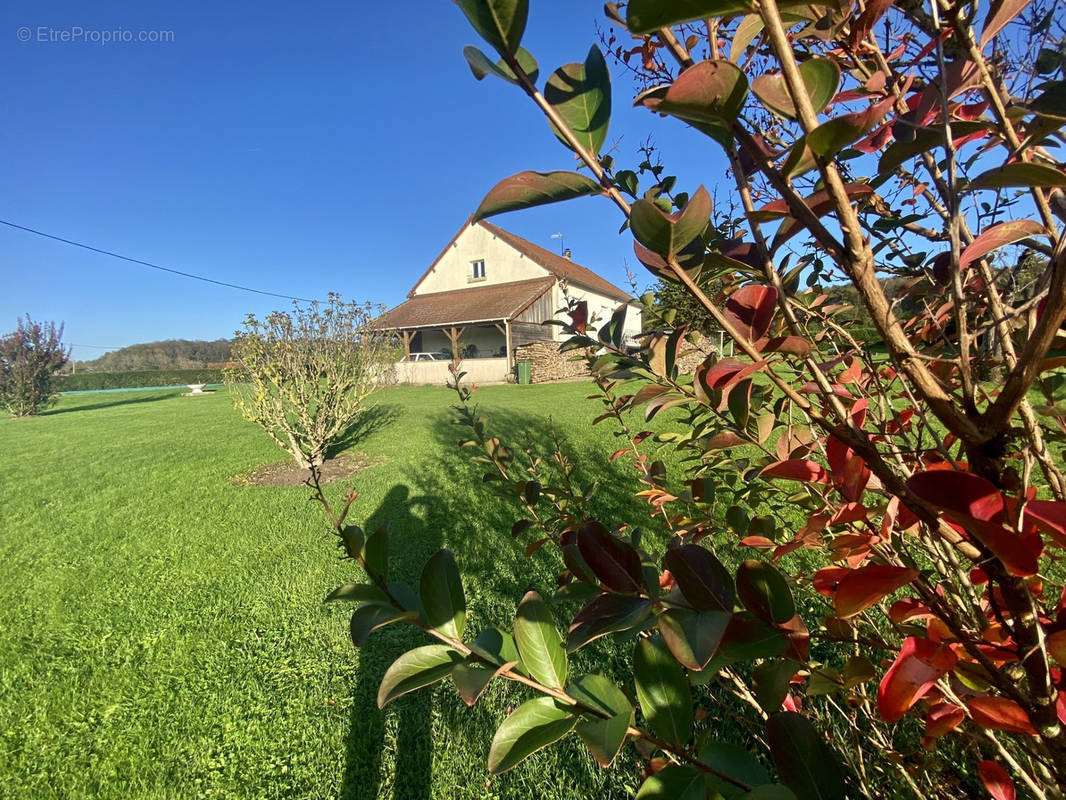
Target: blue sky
<point x="295" y="148"/>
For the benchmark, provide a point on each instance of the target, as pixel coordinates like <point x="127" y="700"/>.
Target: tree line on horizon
<point x="168" y="354"/>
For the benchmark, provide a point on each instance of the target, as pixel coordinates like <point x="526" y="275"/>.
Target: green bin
<point x="525" y="372"/>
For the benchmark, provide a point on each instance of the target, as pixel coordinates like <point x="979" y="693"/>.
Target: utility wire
<point x="149" y="264"/>
<point x="96" y="346"/>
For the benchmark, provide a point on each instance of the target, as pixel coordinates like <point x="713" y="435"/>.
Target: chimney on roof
<point x="566" y="254"/>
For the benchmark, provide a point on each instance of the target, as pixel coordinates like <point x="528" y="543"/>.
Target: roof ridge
<point x="557" y="265"/>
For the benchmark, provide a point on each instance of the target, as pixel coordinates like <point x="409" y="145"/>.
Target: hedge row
<point x="146" y="378"/>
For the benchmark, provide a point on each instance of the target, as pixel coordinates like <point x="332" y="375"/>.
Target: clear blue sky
<point x="295" y="148"/>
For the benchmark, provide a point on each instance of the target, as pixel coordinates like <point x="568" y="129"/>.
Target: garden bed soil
<point x="286" y="473"/>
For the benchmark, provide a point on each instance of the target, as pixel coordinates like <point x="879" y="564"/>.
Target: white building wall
<point x="503" y="264"/>
<point x="599" y="305"/>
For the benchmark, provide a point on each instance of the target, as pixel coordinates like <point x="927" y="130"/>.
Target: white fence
<point x="478" y="370"/>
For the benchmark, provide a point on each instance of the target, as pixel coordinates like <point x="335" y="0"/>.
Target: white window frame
<point x="474" y="270"/>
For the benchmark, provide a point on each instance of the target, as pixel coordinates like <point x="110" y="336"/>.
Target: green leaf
<point x="353" y="537"/>
<point x="769" y="791"/>
<point x="1051" y="102"/>
<point x="821" y="77"/>
<point x="496" y="647"/>
<point x="764" y="592"/>
<point x="603" y="737"/>
<point x="746" y="639"/>
<point x="668" y="234"/>
<point x="539" y="642"/>
<point x="924" y="141"/>
<point x="416" y="668"/>
<point x="804" y="761"/>
<point x="703" y="579"/>
<point x="528" y="189"/>
<point x="441" y="590"/>
<point x="534" y="725"/>
<point x="734" y="761"/>
<point x="663" y="691"/>
<point x="675" y="782"/>
<point x="772" y="682"/>
<point x="368" y="617"/>
<point x="581" y="95"/>
<point x="501" y="23"/>
<point x="831" y="137"/>
<point x="647" y="16"/>
<point x="481" y="66"/>
<point x="739" y="402"/>
<point x="357" y="593"/>
<point x="693" y="637"/>
<point x="1022" y="175"/>
<point x="472" y="678"/>
<point x="606" y="614"/>
<point x="376" y="553"/>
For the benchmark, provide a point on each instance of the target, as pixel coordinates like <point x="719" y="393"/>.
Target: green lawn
<point x="162" y="632"/>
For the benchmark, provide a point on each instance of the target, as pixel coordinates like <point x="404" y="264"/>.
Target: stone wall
<point x="692" y="355"/>
<point x="551" y="365"/>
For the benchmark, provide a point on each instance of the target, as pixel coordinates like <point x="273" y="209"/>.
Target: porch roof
<point x="481" y="304"/>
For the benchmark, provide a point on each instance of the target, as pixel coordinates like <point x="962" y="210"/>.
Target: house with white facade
<point x="488" y="293"/>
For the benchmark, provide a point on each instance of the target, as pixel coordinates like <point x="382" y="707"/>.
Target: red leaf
<point x="963" y="492"/>
<point x="863" y="587"/>
<point x="728" y="371"/>
<point x="909" y="608"/>
<point x="1000" y="714"/>
<point x="996" y="780"/>
<point x="999" y="15"/>
<point x="751" y="310"/>
<point x="862" y="25"/>
<point x="1050" y="517"/>
<point x="1056" y="646"/>
<point x="919" y="665"/>
<point x="941" y="719"/>
<point x="977" y="506"/>
<point x="615" y="563"/>
<point x="579" y="316"/>
<point x="849" y="512"/>
<point x="827" y="579"/>
<point x="999" y="236"/>
<point x="796" y="469"/>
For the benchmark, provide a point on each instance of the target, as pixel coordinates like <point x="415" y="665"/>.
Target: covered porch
<point x="482" y="326"/>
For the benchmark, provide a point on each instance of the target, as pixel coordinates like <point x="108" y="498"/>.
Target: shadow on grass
<point x="111" y="403"/>
<point x="370" y="421"/>
<point x="414" y="540"/>
<point x="454" y="508"/>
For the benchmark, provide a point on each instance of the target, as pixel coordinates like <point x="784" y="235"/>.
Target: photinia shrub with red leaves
<point x="861" y="554"/>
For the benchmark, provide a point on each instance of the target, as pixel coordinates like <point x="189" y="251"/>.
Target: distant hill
<point x="171" y="354"/>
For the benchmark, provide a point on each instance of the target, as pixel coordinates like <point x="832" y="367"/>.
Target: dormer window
<point x="477" y="270"/>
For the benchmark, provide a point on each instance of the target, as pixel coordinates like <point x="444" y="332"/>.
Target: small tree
<point x="29" y="357"/>
<point x="305" y="376"/>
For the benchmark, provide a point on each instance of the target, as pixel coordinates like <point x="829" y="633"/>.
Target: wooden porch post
<point x="505" y="329"/>
<point x="407" y="337"/>
<point x="453" y="335"/>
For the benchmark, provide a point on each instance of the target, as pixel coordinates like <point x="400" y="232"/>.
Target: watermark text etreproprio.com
<point x="48" y="34"/>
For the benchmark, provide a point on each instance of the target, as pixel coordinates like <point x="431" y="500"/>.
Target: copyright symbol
<point x="23" y="34"/>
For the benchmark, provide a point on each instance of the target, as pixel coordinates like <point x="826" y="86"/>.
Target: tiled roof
<point x="491" y="303"/>
<point x="556" y="264"/>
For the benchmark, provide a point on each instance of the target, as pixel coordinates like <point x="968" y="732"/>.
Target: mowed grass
<point x="161" y="626"/>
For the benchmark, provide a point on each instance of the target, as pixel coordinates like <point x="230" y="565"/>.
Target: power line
<point x="149" y="264"/>
<point x="97" y="346"/>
